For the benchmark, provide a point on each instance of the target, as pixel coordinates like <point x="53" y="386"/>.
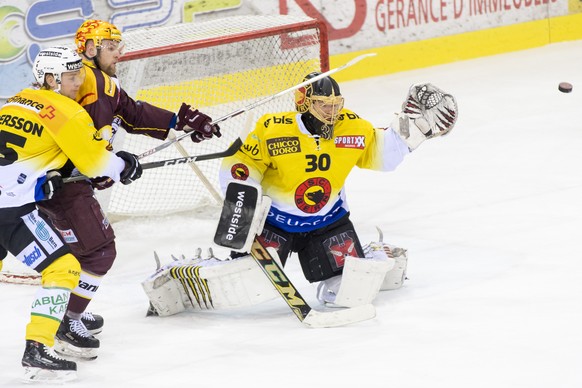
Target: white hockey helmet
<point x="56" y="61"/>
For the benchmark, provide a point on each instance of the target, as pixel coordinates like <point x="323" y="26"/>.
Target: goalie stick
<point x="260" y="102"/>
<point x="242" y="217"/>
<point x="297" y="303"/>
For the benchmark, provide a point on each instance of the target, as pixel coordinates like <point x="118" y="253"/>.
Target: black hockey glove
<point x="102" y="182"/>
<point x="132" y="170"/>
<point x="53" y="183"/>
<point x="196" y="122"/>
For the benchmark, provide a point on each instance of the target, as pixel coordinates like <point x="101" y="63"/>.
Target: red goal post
<point x="216" y="66"/>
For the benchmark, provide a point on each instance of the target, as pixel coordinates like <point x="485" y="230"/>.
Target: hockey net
<point x="218" y="67"/>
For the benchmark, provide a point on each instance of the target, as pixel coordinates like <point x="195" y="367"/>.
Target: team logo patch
<point x="48" y="112"/>
<point x="312" y="195"/>
<point x="341" y="246"/>
<point x="42" y="232"/>
<point x="271" y="240"/>
<point x="358" y="142"/>
<point x="240" y="171"/>
<point x="283" y="146"/>
<point x="32" y="255"/>
<point x="68" y="235"/>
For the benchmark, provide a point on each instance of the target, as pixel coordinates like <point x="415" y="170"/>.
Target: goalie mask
<point x="320" y="104"/>
<point x="97" y="31"/>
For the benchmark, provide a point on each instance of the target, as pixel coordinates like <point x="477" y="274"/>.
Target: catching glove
<point x="427" y="112"/>
<point x="197" y="123"/>
<point x="132" y="170"/>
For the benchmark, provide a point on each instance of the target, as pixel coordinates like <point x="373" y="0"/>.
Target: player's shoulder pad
<point x="97" y="84"/>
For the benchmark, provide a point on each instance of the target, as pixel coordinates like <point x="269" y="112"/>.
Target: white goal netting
<point x="218" y="66"/>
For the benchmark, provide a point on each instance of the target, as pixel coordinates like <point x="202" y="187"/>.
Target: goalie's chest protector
<point x="305" y="174"/>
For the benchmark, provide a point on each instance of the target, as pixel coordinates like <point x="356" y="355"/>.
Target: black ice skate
<point x="41" y="364"/>
<point x="74" y="340"/>
<point x="93" y="322"/>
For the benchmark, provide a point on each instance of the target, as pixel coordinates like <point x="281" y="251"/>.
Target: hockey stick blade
<point x="261" y="102"/>
<point x="297" y="303"/>
<point x="231" y="150"/>
<point x="341" y="317"/>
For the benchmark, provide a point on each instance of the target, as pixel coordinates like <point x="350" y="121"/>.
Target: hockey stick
<point x="231" y="150"/>
<point x="260" y="102"/>
<point x="203" y="179"/>
<point x="297" y="303"/>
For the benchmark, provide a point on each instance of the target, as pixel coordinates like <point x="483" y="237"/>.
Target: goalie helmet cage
<point x="216" y="66"/>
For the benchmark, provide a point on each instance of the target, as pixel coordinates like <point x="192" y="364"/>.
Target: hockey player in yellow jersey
<point x="301" y="160"/>
<point x="40" y="131"/>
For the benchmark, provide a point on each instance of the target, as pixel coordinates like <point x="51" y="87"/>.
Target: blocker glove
<point x="195" y="122"/>
<point x="132" y="170"/>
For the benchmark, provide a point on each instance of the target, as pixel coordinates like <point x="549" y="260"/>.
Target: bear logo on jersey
<point x="239" y="171"/>
<point x="312" y="195"/>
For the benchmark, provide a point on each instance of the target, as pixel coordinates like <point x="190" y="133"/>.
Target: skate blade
<point x="66" y="349"/>
<point x="95" y="331"/>
<point x="47" y="376"/>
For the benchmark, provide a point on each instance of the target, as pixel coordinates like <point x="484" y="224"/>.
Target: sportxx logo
<point x="358" y="142"/>
<point x="48" y="112"/>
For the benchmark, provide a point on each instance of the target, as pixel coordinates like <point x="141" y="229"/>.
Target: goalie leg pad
<point x="207" y="284"/>
<point x="243" y="216"/>
<point x="237" y="283"/>
<point x="394" y="278"/>
<point x="165" y="294"/>
<point x="359" y="283"/>
<point x="397" y="274"/>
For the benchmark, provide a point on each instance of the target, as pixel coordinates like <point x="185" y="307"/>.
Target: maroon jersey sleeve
<point x="138" y="117"/>
<point x="99" y="95"/>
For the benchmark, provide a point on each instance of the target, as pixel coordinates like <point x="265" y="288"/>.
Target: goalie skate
<point x="42" y="365"/>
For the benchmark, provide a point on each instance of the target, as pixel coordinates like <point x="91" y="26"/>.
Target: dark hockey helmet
<point x="320" y="104"/>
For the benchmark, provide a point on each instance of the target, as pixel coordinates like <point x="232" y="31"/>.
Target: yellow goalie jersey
<point x="40" y="130"/>
<point x="304" y="175"/>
